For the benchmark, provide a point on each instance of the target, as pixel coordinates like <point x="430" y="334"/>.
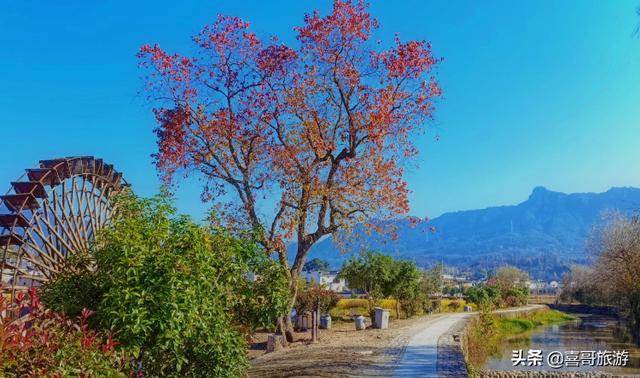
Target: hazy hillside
<point x="544" y="234"/>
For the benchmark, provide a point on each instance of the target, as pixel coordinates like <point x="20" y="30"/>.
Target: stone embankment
<point x="451" y="344"/>
<point x="584" y="309"/>
<point x="450" y="356"/>
<point x="547" y="374"/>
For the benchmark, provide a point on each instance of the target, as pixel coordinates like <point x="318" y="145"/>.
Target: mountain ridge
<point x="544" y="234"/>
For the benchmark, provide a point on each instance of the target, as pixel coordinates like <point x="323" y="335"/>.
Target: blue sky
<point x="535" y="92"/>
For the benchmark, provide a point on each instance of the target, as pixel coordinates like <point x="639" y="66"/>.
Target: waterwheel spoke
<point x="54" y="210"/>
<point x="64" y="221"/>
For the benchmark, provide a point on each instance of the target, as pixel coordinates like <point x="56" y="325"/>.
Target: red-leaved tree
<point x="297" y="143"/>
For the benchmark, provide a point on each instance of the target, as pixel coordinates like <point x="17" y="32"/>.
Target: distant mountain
<point x="544" y="234"/>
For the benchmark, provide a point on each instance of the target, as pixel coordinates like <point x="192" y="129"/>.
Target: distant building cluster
<point x="330" y="281"/>
<point x="452" y="280"/>
<point x="540" y="287"/>
<point x="327" y="280"/>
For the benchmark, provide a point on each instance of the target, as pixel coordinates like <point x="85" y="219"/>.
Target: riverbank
<point x="436" y="351"/>
<point x="590" y="333"/>
<point x="548" y="374"/>
<point x="485" y="333"/>
<point x="585" y="309"/>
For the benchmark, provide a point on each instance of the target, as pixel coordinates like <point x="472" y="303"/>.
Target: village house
<point x="328" y="280"/>
<point x="540" y="287"/>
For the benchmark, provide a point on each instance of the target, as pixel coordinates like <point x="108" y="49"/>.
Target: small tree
<point x="431" y="284"/>
<point x="484" y="296"/>
<point x="432" y="280"/>
<point x="405" y="286"/>
<point x="380" y="276"/>
<point x="616" y="247"/>
<point x="326" y="300"/>
<point x="167" y="283"/>
<point x="316" y="264"/>
<point x="581" y="284"/>
<point x="371" y="272"/>
<point x="509" y="277"/>
<point x="327" y="125"/>
<point x="477" y="295"/>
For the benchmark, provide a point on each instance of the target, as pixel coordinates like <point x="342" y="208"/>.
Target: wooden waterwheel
<point x="52" y="212"/>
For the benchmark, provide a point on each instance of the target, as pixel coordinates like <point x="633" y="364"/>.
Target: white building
<point x="328" y="280"/>
<point x="540" y="287"/>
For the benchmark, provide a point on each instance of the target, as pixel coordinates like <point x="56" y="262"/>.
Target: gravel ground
<point x="340" y="352"/>
<point x="408" y="348"/>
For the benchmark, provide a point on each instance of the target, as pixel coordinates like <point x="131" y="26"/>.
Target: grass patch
<point x="522" y="323"/>
<point x="515" y="326"/>
<point x="485" y="333"/>
<point x="553" y="316"/>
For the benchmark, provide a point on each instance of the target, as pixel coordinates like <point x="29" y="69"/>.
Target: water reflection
<point x="587" y="333"/>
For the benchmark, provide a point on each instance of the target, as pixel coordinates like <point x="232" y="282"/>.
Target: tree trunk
<point x="286" y="326"/>
<point x="294" y="275"/>
<point x="372" y="312"/>
<point x="398" y="309"/>
<point x="282" y="329"/>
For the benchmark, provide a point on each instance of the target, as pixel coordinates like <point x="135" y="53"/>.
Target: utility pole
<point x="314" y="322"/>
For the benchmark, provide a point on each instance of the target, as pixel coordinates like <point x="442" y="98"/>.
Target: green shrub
<point x="176" y="293"/>
<point x="482" y="336"/>
<point x="75" y="287"/>
<point x="477" y="295"/>
<point x="493" y="296"/>
<point x="412" y="307"/>
<point x="167" y="291"/>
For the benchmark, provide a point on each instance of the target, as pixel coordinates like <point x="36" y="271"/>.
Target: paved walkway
<point x="420" y="357"/>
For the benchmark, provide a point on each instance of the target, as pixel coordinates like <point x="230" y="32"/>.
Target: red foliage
<point x="33" y="345"/>
<point x="309" y="298"/>
<point x="326" y="126"/>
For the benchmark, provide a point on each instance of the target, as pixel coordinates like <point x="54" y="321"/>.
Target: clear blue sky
<point x="536" y="92"/>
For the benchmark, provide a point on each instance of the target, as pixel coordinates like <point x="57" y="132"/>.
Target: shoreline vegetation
<point x="612" y="278"/>
<point x="485" y="333"/>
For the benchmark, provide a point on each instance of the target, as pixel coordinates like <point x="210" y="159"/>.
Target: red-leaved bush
<point x="309" y="298"/>
<point x="43" y="343"/>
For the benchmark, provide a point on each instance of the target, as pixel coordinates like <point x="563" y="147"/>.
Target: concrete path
<point x="420" y="357"/>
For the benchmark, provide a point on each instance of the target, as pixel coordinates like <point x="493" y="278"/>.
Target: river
<point x="586" y="333"/>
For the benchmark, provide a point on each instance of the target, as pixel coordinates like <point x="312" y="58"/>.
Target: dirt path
<point x="342" y="352"/>
<point x="407" y="349"/>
